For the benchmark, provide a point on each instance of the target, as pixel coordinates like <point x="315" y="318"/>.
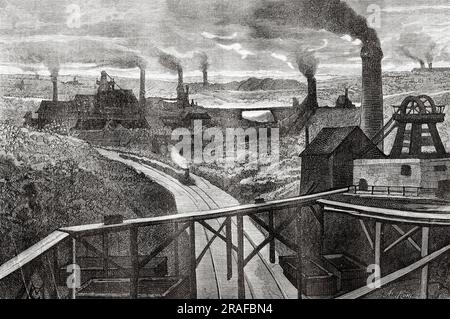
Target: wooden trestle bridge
<point x="220" y="235"/>
<point x="187" y="222"/>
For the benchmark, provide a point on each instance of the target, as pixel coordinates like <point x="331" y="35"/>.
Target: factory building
<point x="328" y="161"/>
<point x="110" y="107"/>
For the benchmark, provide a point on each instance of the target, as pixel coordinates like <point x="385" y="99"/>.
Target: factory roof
<point x="52" y="107"/>
<point x="329" y="139"/>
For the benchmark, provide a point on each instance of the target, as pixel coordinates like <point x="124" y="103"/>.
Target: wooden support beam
<point x="192" y="262"/>
<point x="416" y="139"/>
<point x="358" y="293"/>
<point x="367" y="233"/>
<point x="266" y="241"/>
<point x="299" y="254"/>
<point x="439" y="146"/>
<point x="424" y="253"/>
<point x="411" y="241"/>
<point x="98" y="252"/>
<point x="378" y="245"/>
<point x="105" y="255"/>
<point x="163" y="246"/>
<point x="272" y="242"/>
<point x="291" y="245"/>
<point x="406" y="235"/>
<point x="134" y="254"/>
<point x="208" y="245"/>
<point x="176" y="252"/>
<point x="240" y="253"/>
<point x="74" y="262"/>
<point x="398" y="142"/>
<point x="216" y="233"/>
<point x="229" y="244"/>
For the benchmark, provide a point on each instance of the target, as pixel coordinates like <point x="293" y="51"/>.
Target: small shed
<point x="327" y="162"/>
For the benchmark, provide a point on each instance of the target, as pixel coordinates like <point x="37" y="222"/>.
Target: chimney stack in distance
<point x="142" y="88"/>
<point x="55" y="89"/>
<point x="180" y="77"/>
<point x="312" y="93"/>
<point x="430" y="65"/>
<point x="205" y="78"/>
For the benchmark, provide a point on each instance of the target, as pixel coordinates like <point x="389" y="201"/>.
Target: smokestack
<point x="312" y="92"/>
<point x="55" y="89"/>
<point x="142" y="88"/>
<point x="346" y="94"/>
<point x="205" y="77"/>
<point x="180" y="76"/>
<point x="372" y="90"/>
<point x="430" y="65"/>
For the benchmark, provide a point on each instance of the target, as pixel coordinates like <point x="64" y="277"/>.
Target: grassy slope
<point x="71" y="185"/>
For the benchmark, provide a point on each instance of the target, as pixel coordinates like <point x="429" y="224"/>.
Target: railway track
<point x="262" y="279"/>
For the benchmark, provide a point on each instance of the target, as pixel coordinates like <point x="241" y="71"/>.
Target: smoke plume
<point x="53" y="54"/>
<point x="273" y="19"/>
<point x="204" y="61"/>
<point x="417" y="46"/>
<point x="307" y="63"/>
<point x="169" y="61"/>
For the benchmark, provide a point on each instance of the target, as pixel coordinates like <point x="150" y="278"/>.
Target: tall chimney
<point x="372" y="90"/>
<point x="312" y="92"/>
<point x="430" y="65"/>
<point x="180" y="76"/>
<point x="205" y="77"/>
<point x="142" y="88"/>
<point x="55" y="89"/>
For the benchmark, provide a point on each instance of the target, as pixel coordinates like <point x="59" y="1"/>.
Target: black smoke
<point x="170" y="62"/>
<point x="307" y="63"/>
<point x="417" y="46"/>
<point x="204" y="61"/>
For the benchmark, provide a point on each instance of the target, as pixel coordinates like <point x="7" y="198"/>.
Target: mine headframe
<point x="416" y="120"/>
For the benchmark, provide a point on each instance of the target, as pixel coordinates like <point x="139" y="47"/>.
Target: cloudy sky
<point x="82" y="36"/>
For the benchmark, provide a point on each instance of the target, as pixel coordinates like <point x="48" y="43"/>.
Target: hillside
<point x="48" y="181"/>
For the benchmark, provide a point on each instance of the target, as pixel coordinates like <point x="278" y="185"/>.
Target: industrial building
<point x="110" y="107"/>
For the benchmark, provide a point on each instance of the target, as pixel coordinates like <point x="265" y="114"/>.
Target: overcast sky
<point x="81" y="32"/>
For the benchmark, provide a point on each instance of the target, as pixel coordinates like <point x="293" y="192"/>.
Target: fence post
<point x="378" y="246"/>
<point x="229" y="244"/>
<point x="192" y="263"/>
<point x="176" y="251"/>
<point x="105" y="249"/>
<point x="74" y="262"/>
<point x="272" y="242"/>
<point x="240" y="263"/>
<point x="424" y="273"/>
<point x="134" y="253"/>
<point x="299" y="253"/>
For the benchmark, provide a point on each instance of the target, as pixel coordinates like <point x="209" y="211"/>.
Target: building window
<point x="406" y="170"/>
<point x="440" y="168"/>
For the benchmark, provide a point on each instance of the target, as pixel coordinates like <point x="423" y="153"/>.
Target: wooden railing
<point x="181" y="222"/>
<point x="185" y="223"/>
<point x="405" y="191"/>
